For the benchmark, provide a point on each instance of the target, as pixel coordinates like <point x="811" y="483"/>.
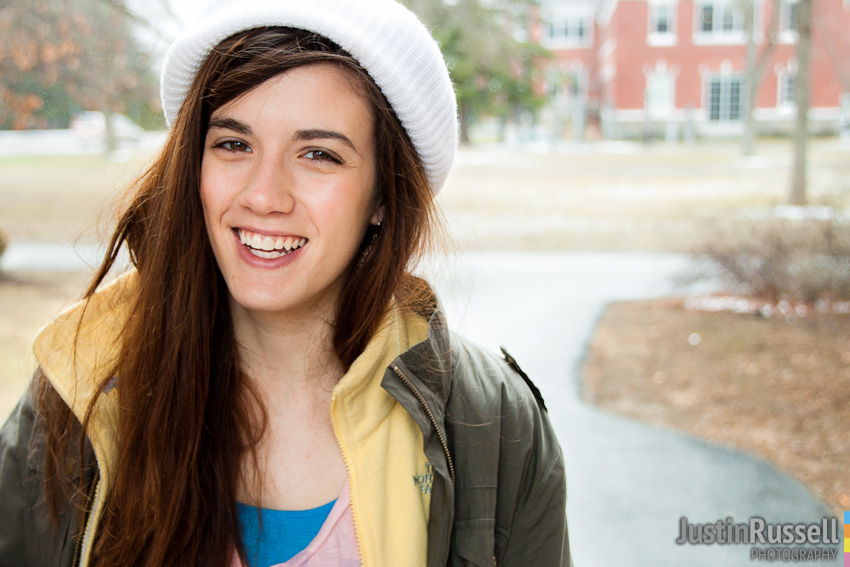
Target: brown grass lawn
<point x="774" y="387"/>
<point x="62" y="199"/>
<point x="27" y="303"/>
<point x="657" y="198"/>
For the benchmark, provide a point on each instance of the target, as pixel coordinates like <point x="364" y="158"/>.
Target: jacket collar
<point x="430" y="361"/>
<point x="83" y="343"/>
<point x="420" y="379"/>
<point x="79" y="350"/>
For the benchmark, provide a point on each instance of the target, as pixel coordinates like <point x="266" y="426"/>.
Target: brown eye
<point x="322" y="155"/>
<point x="233" y="146"/>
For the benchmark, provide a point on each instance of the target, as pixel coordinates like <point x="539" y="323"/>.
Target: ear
<point x="378" y="217"/>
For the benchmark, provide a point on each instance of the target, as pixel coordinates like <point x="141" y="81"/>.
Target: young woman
<point x="269" y="384"/>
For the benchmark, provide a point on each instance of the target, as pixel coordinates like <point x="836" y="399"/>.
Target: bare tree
<point x="756" y="65"/>
<point x="801" y="97"/>
<point x="73" y="53"/>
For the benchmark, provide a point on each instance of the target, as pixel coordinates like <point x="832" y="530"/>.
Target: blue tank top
<point x="284" y="533"/>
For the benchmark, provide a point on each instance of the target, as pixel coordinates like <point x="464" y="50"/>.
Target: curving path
<point x="628" y="483"/>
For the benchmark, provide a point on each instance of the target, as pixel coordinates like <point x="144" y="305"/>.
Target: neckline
<point x="323" y="510"/>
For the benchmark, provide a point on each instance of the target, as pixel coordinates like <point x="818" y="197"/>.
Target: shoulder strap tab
<point x="513" y="364"/>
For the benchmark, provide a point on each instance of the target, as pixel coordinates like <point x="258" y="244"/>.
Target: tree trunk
<point x="751" y="82"/>
<point x="801" y="96"/>
<point x="109" y="135"/>
<point x="755" y="67"/>
<point x="464" y="118"/>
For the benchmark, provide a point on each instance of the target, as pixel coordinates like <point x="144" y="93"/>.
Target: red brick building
<point x="625" y="68"/>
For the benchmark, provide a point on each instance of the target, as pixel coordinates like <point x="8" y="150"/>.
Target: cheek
<point x="350" y="212"/>
<point x="213" y="193"/>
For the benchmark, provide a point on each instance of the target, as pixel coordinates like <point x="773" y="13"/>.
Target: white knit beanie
<point x="386" y="39"/>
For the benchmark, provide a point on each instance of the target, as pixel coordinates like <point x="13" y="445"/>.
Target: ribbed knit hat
<point x="386" y="39"/>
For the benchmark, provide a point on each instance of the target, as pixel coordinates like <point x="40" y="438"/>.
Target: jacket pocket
<point x="474" y="542"/>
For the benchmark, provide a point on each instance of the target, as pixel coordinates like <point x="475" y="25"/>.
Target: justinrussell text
<point x="757" y="531"/>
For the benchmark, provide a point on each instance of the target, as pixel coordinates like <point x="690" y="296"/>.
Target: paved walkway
<point x="629" y="484"/>
<point x="26" y="256"/>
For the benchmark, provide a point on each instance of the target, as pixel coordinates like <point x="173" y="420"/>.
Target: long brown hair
<point x="186" y="412"/>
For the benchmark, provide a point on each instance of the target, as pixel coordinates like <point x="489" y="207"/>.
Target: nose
<point x="270" y="188"/>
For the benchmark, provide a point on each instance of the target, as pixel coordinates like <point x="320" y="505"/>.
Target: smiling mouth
<point x="265" y="246"/>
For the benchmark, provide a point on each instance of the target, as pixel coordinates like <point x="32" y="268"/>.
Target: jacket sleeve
<point x="27" y="538"/>
<point x="511" y="483"/>
<point x="14" y="446"/>
<point x="538" y="533"/>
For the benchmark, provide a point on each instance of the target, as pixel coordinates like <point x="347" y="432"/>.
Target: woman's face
<point x="287" y="184"/>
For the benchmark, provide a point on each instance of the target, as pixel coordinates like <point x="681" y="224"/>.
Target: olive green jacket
<point x="498" y="495"/>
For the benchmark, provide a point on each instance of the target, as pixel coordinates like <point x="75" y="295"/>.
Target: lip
<point x="236" y="230"/>
<point x="265" y="263"/>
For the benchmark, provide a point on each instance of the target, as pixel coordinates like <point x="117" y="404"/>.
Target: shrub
<point x="797" y="254"/>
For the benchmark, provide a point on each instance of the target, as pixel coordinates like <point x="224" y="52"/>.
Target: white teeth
<point x="270" y="246"/>
<point x="264" y="254"/>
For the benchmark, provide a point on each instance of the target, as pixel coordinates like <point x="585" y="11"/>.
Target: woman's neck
<point x="286" y="353"/>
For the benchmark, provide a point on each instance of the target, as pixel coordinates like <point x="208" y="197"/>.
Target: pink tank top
<point x="334" y="546"/>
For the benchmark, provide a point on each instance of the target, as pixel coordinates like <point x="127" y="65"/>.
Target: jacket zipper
<point x="345" y="459"/>
<point x="430" y="414"/>
<point x="89" y="498"/>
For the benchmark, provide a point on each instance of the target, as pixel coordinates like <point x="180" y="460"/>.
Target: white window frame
<point x="787" y="32"/>
<point x="718" y="35"/>
<point x="725" y="106"/>
<point x="669" y="37"/>
<point x="785" y="92"/>
<point x="785" y="100"/>
<point x="653" y="108"/>
<point x="564" y="18"/>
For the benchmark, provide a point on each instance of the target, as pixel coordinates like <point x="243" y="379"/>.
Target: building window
<point x="724" y="98"/>
<point x="660" y="92"/>
<point x="785" y="97"/>
<point x="662" y="15"/>
<point x="565" y="29"/>
<point x="574" y="30"/>
<point x="786" y="89"/>
<point x="788" y="17"/>
<point x="788" y="21"/>
<point x="662" y="23"/>
<point x="718" y="20"/>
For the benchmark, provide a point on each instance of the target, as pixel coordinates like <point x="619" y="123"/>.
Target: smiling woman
<point x="265" y="382"/>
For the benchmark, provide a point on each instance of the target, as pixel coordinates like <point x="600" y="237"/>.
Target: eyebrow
<point x="230" y="124"/>
<point x="307" y="135"/>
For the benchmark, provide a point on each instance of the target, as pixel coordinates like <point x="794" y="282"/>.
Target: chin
<point x="262" y="302"/>
<point x="282" y="300"/>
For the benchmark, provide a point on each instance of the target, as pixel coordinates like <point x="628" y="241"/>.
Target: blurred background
<point x="650" y="208"/>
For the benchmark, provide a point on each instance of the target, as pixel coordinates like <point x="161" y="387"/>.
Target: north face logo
<point x="424" y="481"/>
